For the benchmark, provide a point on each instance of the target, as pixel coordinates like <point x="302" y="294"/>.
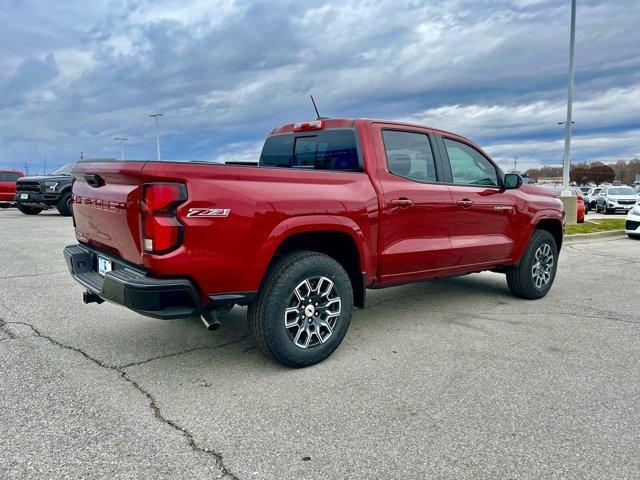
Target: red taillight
<point x="161" y="230"/>
<point x="308" y="126"/>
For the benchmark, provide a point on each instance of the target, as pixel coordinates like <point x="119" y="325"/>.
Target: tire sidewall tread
<point x="266" y="312"/>
<point x="519" y="279"/>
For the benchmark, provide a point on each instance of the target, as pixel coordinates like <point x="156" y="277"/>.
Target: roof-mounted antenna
<point x="318" y="117"/>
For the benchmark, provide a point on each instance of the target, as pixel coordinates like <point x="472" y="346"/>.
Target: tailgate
<point x="106" y="207"/>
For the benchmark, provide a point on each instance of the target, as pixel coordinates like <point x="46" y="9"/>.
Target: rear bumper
<point x="130" y="286"/>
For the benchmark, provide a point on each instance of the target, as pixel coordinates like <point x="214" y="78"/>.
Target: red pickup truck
<point x="8" y="179"/>
<point x="333" y="207"/>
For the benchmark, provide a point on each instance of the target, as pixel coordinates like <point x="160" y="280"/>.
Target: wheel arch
<point x="338" y="237"/>
<point x="554" y="227"/>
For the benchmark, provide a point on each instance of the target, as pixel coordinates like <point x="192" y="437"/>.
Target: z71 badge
<point x="208" y="212"/>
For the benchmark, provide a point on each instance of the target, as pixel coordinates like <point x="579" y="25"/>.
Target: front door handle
<point x="401" y="202"/>
<point x="464" y="203"/>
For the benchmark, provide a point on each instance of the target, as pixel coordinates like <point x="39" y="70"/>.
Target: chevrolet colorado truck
<point x="333" y="207"/>
<point x="34" y="194"/>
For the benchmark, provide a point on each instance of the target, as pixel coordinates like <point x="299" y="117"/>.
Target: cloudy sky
<point x="74" y="75"/>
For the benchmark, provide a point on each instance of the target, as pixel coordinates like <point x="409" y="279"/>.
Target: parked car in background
<point x="8" y="180"/>
<point x="612" y="199"/>
<point x="34" y="194"/>
<point x="333" y="207"/>
<point x="585" y="190"/>
<point x="591" y="197"/>
<point x="632" y="225"/>
<point x="580" y="203"/>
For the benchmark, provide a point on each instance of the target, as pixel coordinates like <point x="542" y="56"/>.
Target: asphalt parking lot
<point x="444" y="379"/>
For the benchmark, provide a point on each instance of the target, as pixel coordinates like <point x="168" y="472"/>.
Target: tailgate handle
<point x="94" y="180"/>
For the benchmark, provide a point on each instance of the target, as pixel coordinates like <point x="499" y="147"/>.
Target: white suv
<point x="616" y="198"/>
<point x="632" y="226"/>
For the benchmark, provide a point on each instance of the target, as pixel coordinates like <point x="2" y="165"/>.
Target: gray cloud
<point x="74" y="75"/>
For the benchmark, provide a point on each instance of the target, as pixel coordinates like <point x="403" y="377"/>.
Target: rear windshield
<point x="8" y="177"/>
<point x="621" y="191"/>
<point x="326" y="150"/>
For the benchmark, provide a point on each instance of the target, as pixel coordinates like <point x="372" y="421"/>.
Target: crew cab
<point x="37" y="193"/>
<point x="8" y="179"/>
<point x="333" y="207"/>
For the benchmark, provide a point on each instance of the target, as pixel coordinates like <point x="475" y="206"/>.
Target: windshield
<point x="621" y="191"/>
<point x="63" y="170"/>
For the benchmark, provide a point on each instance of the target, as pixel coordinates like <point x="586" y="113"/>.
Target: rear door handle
<point x="464" y="203"/>
<point x="401" y="202"/>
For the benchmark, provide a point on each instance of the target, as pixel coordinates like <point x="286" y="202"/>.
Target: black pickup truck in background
<point x="37" y="193"/>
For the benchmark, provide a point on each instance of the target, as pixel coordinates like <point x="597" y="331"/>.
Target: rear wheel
<point x="65" y="204"/>
<point x="28" y="210"/>
<point x="534" y="276"/>
<point x="303" y="309"/>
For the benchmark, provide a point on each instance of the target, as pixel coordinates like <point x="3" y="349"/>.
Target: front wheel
<point x="533" y="277"/>
<point x="65" y="204"/>
<point x="303" y="309"/>
<point x="28" y="210"/>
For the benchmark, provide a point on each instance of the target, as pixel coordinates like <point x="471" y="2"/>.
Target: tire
<point x="521" y="279"/>
<point x="267" y="316"/>
<point x="28" y="210"/>
<point x="65" y="204"/>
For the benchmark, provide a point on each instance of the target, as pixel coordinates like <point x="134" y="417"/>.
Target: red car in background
<point x="580" y="205"/>
<point x="8" y="180"/>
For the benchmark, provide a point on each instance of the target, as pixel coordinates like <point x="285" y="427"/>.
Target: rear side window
<point x="409" y="155"/>
<point x="469" y="166"/>
<point x="327" y="150"/>
<point x="8" y="177"/>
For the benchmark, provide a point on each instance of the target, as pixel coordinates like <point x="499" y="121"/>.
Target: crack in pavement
<point x="34" y="275"/>
<point x="610" y="257"/>
<point x="182" y="352"/>
<point x="153" y="404"/>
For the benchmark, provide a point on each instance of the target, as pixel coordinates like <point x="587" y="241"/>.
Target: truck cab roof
<point x="353" y="122"/>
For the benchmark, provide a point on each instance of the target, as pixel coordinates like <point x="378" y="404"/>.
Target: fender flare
<point x="546" y="214"/>
<point x="309" y="224"/>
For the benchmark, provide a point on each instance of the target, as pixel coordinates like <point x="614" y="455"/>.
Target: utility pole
<point x="157" y="116"/>
<point x="566" y="164"/>
<point x="122" y="140"/>
<point x="515" y="164"/>
<point x="81" y="156"/>
<point x="26" y="167"/>
<point x="45" y="165"/>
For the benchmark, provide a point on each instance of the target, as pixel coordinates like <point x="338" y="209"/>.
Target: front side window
<point x="468" y="166"/>
<point x="326" y="150"/>
<point x="409" y="155"/>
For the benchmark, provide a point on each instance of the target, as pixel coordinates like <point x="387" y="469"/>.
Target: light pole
<point x="566" y="163"/>
<point x="157" y="116"/>
<point x="122" y="140"/>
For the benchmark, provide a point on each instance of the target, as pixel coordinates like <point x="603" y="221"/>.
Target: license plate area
<point x="24" y="196"/>
<point x="104" y="266"/>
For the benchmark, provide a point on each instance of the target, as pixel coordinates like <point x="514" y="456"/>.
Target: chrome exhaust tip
<point x="209" y="320"/>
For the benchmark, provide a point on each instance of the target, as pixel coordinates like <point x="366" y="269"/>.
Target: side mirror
<point x="512" y="181"/>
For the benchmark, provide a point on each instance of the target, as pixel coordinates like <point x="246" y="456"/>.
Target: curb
<point x="609" y="235"/>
